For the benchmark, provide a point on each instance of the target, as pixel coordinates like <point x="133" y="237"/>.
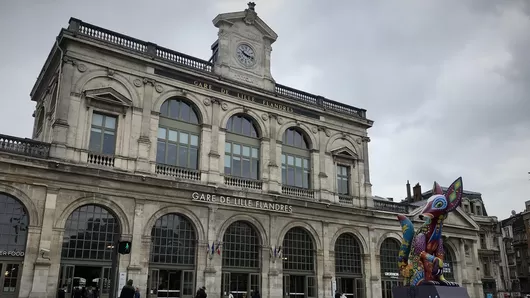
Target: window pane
<point x="161" y="133"/>
<point x="95" y="140"/>
<point x="298" y="162"/>
<point x="161" y="152"/>
<point x="236" y="166"/>
<point x="237" y="149"/>
<point x="228" y="146"/>
<point x="298" y="178"/>
<point x="194" y="159"/>
<point x="284" y="175"/>
<point x="194" y="141"/>
<point x="171" y="154"/>
<point x="255" y="168"/>
<point x="246" y="151"/>
<point x="184" y="112"/>
<point x="307" y="179"/>
<point x="306" y="163"/>
<point x="174" y="109"/>
<point x="246" y="126"/>
<point x="297" y="139"/>
<point x="164" y="108"/>
<point x="236" y="124"/>
<point x="172" y="136"/>
<point x="228" y="165"/>
<point x="255" y="153"/>
<point x="110" y="122"/>
<point x="97" y="119"/>
<point x="290" y="137"/>
<point x="183" y="138"/>
<point x="193" y="117"/>
<point x="109" y="141"/>
<point x="290" y="160"/>
<point x="283" y="158"/>
<point x="229" y="124"/>
<point x="183" y="156"/>
<point x="290" y="176"/>
<point x="246" y="168"/>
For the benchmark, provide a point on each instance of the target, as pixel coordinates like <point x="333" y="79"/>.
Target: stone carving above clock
<point x="243" y="49"/>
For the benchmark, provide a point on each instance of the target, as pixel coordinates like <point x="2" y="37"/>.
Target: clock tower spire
<point x="242" y="51"/>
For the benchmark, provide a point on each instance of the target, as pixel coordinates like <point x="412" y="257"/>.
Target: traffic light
<point x="124" y="247"/>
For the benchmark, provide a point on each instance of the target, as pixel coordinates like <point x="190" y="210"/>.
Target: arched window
<point x="449" y="273"/>
<point x="389" y="266"/>
<point x="178" y="134"/>
<point x="242" y="148"/>
<point x="241" y="260"/>
<point x="299" y="263"/>
<point x="348" y="266"/>
<point x="90" y="235"/>
<point x="296" y="170"/>
<point x="172" y="256"/>
<point x="14" y="223"/>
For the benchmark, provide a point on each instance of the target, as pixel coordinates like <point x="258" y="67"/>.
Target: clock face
<point x="245" y="55"/>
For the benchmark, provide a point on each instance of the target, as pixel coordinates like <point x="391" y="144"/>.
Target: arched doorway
<point x="90" y="233"/>
<point x="449" y="272"/>
<point x="241" y="260"/>
<point x="14" y="222"/>
<point x="349" y="266"/>
<point x="389" y="266"/>
<point x="172" y="257"/>
<point x="299" y="264"/>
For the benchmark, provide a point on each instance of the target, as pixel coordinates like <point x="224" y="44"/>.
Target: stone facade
<point x="92" y="70"/>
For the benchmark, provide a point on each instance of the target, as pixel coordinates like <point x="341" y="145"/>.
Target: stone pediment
<point x="249" y="17"/>
<point x="344" y="152"/>
<point x="457" y="218"/>
<point x="107" y="98"/>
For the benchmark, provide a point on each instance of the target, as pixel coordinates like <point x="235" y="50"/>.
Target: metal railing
<point x="155" y="52"/>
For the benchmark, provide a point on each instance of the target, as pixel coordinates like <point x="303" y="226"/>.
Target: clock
<point x="245" y="55"/>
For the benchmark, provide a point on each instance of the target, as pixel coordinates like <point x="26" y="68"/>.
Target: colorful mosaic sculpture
<point x="421" y="254"/>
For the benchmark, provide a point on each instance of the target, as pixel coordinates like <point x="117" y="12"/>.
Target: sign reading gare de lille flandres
<point x="239" y="202"/>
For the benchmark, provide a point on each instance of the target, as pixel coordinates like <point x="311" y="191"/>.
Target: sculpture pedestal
<point x="429" y="291"/>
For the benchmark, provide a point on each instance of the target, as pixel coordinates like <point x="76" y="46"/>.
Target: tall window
<point x="103" y="134"/>
<point x="90" y="234"/>
<point x="299" y="264"/>
<point x="389" y="266"/>
<point x="296" y="169"/>
<point x="348" y="266"/>
<point x="343" y="180"/>
<point x="242" y="148"/>
<point x="448" y="270"/>
<point x="173" y="241"/>
<point x="178" y="135"/>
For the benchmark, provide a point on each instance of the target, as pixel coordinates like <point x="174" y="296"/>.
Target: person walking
<point x="201" y="293"/>
<point x="128" y="290"/>
<point x="137" y="293"/>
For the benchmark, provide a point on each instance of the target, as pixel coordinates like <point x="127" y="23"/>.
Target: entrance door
<point x="88" y="277"/>
<point x="387" y="286"/>
<point x="241" y="285"/>
<point x="346" y="286"/>
<point x="171" y="283"/>
<point x="299" y="286"/>
<point x="10" y="279"/>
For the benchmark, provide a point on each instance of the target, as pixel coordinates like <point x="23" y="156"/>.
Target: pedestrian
<point x="337" y="294"/>
<point x="137" y="293"/>
<point x="201" y="293"/>
<point x="62" y="292"/>
<point x="128" y="290"/>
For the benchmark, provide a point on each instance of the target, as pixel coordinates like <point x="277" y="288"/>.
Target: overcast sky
<point x="446" y="82"/>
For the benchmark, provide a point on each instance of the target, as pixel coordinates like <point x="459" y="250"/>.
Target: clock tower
<point x="243" y="49"/>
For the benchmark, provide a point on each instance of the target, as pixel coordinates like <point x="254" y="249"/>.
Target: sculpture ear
<point x="454" y="194"/>
<point x="436" y="189"/>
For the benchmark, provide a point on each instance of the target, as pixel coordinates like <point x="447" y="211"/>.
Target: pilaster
<point x="137" y="269"/>
<point x="144" y="141"/>
<point x="274" y="163"/>
<point x="216" y="141"/>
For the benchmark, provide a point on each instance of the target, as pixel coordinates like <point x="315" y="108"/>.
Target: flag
<point x="279" y="252"/>
<point x="218" y="248"/>
<point x="213" y="248"/>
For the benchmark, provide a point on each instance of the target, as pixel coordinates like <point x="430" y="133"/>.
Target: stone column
<point x="315" y="173"/>
<point x="214" y="155"/>
<point x="274" y="164"/>
<point x="375" y="261"/>
<point x="138" y="268"/>
<point x="367" y="266"/>
<point x="144" y="141"/>
<point x="44" y="245"/>
<point x="325" y="176"/>
<point x="60" y="125"/>
<point x="265" y="270"/>
<point x="264" y="162"/>
<point x="477" y="282"/>
<point x="213" y="271"/>
<point x="462" y="264"/>
<point x="367" y="183"/>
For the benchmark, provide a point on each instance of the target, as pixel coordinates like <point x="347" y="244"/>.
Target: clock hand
<point x="248" y="56"/>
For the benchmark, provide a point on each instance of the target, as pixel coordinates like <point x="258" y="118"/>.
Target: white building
<point x="136" y="142"/>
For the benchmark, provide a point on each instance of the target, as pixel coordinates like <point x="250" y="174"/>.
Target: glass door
<point x="104" y="282"/>
<point x="346" y="286"/>
<point x="188" y="281"/>
<point x="10" y="279"/>
<point x="66" y="277"/>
